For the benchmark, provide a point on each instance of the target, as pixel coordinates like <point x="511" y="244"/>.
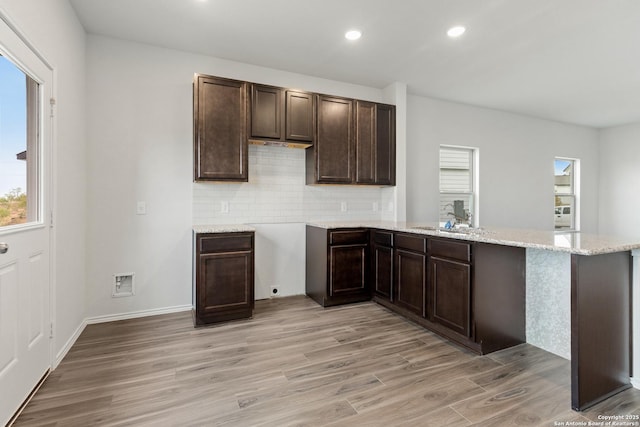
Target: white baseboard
<point x="67" y="346"/>
<point x="136" y="314"/>
<point x="635" y="382"/>
<point x="111" y="318"/>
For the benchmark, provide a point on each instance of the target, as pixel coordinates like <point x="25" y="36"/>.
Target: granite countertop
<point x="575" y="243"/>
<point x="222" y="228"/>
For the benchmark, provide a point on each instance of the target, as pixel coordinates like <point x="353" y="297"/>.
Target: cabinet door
<point x="365" y="142"/>
<point x="299" y="111"/>
<point x="334" y="141"/>
<point x="451" y="294"/>
<point x="411" y="274"/>
<point x="385" y="154"/>
<point x="220" y="137"/>
<point x="347" y="269"/>
<point x="225" y="283"/>
<point x="383" y="271"/>
<point x="266" y="112"/>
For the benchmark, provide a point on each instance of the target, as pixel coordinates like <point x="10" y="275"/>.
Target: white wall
<point x="140" y="149"/>
<point x="515" y="165"/>
<point x="54" y="30"/>
<point x="620" y="178"/>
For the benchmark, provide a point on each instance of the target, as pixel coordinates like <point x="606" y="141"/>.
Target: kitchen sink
<point x="460" y="230"/>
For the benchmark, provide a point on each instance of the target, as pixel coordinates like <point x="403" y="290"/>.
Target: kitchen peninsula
<point x="487" y="289"/>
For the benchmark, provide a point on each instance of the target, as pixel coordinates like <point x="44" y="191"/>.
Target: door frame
<point x="47" y="183"/>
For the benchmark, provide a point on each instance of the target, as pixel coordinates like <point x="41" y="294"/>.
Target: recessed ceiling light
<point x="353" y="35"/>
<point x="456" y="31"/>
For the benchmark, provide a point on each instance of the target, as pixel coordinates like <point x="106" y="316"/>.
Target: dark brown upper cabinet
<point x="300" y="113"/>
<point x="365" y="142"/>
<point x="332" y="159"/>
<point x="281" y="117"/>
<point x="220" y="137"/>
<point x="385" y="145"/>
<point x="375" y="143"/>
<point x="266" y="112"/>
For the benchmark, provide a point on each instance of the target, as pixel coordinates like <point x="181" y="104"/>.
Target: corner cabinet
<point x="223" y="285"/>
<point x="382" y="263"/>
<point x="337" y="265"/>
<point x="220" y="137"/>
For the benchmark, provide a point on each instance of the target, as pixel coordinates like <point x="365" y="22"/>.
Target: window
<point x="565" y="185"/>
<point x="458" y="184"/>
<point x="19" y="151"/>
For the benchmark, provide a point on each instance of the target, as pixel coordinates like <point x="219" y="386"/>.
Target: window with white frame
<point x="565" y="192"/>
<point x="458" y="198"/>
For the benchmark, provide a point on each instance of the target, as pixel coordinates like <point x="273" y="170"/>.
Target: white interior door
<point x="25" y="291"/>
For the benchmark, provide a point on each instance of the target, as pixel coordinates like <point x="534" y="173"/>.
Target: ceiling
<point x="574" y="61"/>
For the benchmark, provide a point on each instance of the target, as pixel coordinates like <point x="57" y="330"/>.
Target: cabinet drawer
<point x="226" y="243"/>
<point x="383" y="238"/>
<point x="412" y="242"/>
<point x="450" y="249"/>
<point x="348" y="237"/>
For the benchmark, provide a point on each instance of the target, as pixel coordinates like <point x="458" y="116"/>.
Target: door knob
<point x="3" y="248"/>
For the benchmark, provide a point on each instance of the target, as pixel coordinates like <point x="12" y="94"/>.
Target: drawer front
<point x="450" y="249"/>
<point x="213" y="243"/>
<point x="384" y="238"/>
<point x="412" y="242"/>
<point x="348" y="237"/>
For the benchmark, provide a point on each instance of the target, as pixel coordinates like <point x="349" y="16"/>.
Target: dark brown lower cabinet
<point x="450" y="300"/>
<point x="337" y="265"/>
<point x="410" y="273"/>
<point x="224" y="277"/>
<point x="382" y="263"/>
<point x="450" y="284"/>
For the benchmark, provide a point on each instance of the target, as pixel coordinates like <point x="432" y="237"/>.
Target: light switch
<point x="141" y="208"/>
<point x="343" y="206"/>
<point x="224" y="207"/>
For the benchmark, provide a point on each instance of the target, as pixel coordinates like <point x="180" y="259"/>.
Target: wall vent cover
<point x="123" y="285"/>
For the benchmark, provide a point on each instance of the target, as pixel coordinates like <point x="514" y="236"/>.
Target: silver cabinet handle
<point x="3" y="248"/>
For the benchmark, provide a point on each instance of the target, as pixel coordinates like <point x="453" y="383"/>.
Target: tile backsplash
<point x="276" y="192"/>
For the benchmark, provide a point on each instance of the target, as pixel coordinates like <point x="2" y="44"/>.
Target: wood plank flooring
<point x="297" y="364"/>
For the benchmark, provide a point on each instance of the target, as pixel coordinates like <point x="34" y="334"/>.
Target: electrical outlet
<point x="274" y="292"/>
<point x="141" y="208"/>
<point x="343" y="206"/>
<point x="224" y="207"/>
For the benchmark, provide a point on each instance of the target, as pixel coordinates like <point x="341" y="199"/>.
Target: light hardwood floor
<point x="297" y="364"/>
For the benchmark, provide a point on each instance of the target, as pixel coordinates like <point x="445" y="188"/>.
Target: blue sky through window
<point x="560" y="165"/>
<point x="13" y="127"/>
